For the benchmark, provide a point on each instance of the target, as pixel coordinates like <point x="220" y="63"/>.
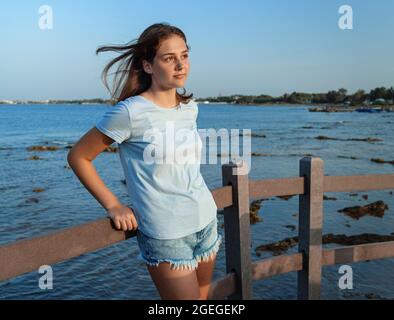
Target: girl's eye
<point x="171" y="58"/>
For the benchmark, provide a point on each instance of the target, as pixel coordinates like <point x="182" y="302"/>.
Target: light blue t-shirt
<point x="169" y="196"/>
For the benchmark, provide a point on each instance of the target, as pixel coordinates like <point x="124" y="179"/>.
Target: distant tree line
<point x="76" y="101"/>
<point x="380" y="95"/>
<point x="340" y="96"/>
<point x="80" y="101"/>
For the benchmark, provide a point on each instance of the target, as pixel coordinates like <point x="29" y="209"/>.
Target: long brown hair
<point x="130" y="77"/>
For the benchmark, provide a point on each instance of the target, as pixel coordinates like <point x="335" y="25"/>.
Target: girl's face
<point x="172" y="59"/>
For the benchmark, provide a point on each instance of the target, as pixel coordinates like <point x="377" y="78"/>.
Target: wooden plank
<point x="266" y="268"/>
<point x="223" y="197"/>
<point x="28" y="255"/>
<point x="267" y="188"/>
<point x="237" y="228"/>
<point x="358" y="183"/>
<point x="222" y="288"/>
<point x="310" y="229"/>
<point x="361" y="252"/>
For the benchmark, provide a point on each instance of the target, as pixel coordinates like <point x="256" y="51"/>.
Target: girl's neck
<point x="166" y="99"/>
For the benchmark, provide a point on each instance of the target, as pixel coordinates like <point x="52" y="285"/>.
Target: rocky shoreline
<point x="344" y="108"/>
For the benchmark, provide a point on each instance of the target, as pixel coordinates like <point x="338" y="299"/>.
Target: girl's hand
<point x="123" y="218"/>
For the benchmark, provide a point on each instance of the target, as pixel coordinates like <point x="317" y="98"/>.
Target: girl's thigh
<point x="174" y="284"/>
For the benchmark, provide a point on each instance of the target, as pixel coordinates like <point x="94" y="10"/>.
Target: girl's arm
<point x="80" y="159"/>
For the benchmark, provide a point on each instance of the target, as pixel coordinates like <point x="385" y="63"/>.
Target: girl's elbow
<point x="71" y="157"/>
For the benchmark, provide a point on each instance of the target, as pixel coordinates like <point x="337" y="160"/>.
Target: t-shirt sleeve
<point x="116" y="122"/>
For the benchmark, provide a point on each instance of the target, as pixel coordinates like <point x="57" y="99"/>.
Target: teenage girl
<point x="171" y="207"/>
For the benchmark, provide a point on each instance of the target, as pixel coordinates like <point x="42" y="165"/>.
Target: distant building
<point x="7" y="102"/>
<point x="379" y="101"/>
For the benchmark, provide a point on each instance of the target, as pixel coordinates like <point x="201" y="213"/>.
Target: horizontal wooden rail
<point x="266" y="268"/>
<point x="223" y="287"/>
<point x="267" y="188"/>
<point x="357" y="253"/>
<point x="358" y="183"/>
<point x="223" y="197"/>
<point x="29" y="254"/>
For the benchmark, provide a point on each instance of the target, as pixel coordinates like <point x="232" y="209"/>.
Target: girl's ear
<point x="147" y="67"/>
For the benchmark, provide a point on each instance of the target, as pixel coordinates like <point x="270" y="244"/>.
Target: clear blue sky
<point x="237" y="47"/>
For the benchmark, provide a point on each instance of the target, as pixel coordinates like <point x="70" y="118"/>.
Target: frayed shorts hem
<point x="186" y="264"/>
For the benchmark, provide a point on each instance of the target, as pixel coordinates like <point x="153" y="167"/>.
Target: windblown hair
<point x="130" y="77"/>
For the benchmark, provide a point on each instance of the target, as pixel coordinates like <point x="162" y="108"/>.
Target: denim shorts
<point x="181" y="253"/>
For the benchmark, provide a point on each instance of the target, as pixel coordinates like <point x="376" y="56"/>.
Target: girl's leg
<point x="204" y="276"/>
<point x="174" y="284"/>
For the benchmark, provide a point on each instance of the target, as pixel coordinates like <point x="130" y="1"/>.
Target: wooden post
<point x="310" y="228"/>
<point x="237" y="228"/>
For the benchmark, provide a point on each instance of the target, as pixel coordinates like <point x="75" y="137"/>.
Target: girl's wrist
<point x="113" y="206"/>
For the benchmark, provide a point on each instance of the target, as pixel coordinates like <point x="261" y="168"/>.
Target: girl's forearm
<point x="87" y="174"/>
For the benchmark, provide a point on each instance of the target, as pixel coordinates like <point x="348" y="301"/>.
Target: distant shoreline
<point x="379" y="96"/>
<point x="279" y="104"/>
<point x="198" y="101"/>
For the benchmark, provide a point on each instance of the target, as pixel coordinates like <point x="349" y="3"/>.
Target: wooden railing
<point x="28" y="255"/>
